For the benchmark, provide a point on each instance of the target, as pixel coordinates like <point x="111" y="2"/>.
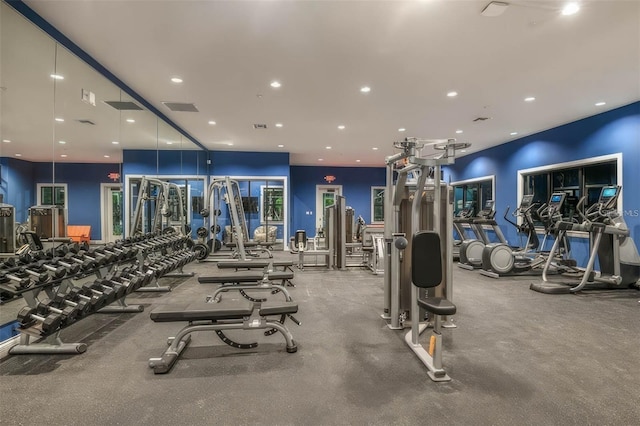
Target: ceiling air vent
<point x="85" y="121"/>
<point x="124" y="105"/>
<point x="481" y="119"/>
<point x="259" y="126"/>
<point x="181" y="107"/>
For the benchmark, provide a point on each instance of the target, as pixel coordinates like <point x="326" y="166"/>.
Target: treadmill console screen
<point x="526" y="201"/>
<point x="488" y="206"/>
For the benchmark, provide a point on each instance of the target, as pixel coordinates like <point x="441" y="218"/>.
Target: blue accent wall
<point x="17" y="185"/>
<point x="154" y="163"/>
<point x="356" y="188"/>
<point x="234" y="163"/>
<point x="615" y="131"/>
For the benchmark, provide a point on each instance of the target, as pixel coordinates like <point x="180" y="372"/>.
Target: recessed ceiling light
<point x="213" y="123"/>
<point x="452" y="94"/>
<point x="115" y="142"/>
<point x="365" y="89"/>
<point x="62" y="142"/>
<point x="529" y="99"/>
<point x="59" y="119"/>
<point x="357" y="161"/>
<point x="570" y="9"/>
<point x="463" y="150"/>
<point x="600" y="103"/>
<point x="375" y="148"/>
<point x="169" y="143"/>
<point x="6" y="141"/>
<point x="341" y="127"/>
<point x="107" y="156"/>
<point x="176" y="79"/>
<point x="320" y="159"/>
<point x="230" y="143"/>
<point x="280" y="146"/>
<point x="327" y="147"/>
<point x="401" y="129"/>
<point x="513" y="133"/>
<point x="57" y="77"/>
<point x="130" y="120"/>
<point x="278" y="124"/>
<point x="18" y="155"/>
<point x="458" y="131"/>
<point x="275" y="84"/>
<point x="63" y="155"/>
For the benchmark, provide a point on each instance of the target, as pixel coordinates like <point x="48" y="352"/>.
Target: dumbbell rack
<point x="138" y="268"/>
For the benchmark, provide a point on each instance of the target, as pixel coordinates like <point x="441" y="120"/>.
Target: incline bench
<point x="251" y="247"/>
<point x="228" y="315"/>
<point x="248" y="280"/>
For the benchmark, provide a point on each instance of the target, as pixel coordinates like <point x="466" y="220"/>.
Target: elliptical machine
<point x="471" y="249"/>
<point x="610" y="242"/>
<point x="461" y="218"/>
<point x="500" y="259"/>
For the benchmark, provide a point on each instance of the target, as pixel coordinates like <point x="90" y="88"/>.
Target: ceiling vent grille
<point x="260" y="126"/>
<point x="181" y="107"/>
<point x="124" y="105"/>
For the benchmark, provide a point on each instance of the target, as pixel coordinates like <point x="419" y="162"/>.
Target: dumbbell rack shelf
<point x="101" y="289"/>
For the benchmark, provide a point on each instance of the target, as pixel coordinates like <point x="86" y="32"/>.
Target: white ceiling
<point x="411" y="53"/>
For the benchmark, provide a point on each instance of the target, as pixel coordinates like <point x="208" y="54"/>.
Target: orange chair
<point x="79" y="233"/>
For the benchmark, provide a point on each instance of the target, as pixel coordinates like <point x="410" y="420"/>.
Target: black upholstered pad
<point x="426" y="259"/>
<point x="245" y="277"/>
<point x="247" y="244"/>
<point x="438" y="305"/>
<point x="226" y="309"/>
<point x="277" y="308"/>
<point x="250" y="264"/>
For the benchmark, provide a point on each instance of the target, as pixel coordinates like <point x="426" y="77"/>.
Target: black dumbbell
<point x="119" y="288"/>
<point x="108" y="293"/>
<point x="29" y="316"/>
<point x="85" y="264"/>
<point x="72" y="268"/>
<point x="83" y="306"/>
<point x="95" y="301"/>
<point x="23" y="282"/>
<point x="67" y="314"/>
<point x="57" y="272"/>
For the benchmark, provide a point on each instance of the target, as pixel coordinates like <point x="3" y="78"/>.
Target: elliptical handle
<point x="506" y="213"/>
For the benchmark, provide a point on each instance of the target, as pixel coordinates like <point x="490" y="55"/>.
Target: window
<point x="52" y="194"/>
<point x="578" y="179"/>
<point x="479" y="190"/>
<point x="377" y="204"/>
<point x="272" y="205"/>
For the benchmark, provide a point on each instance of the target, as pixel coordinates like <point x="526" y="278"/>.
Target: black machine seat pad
<point x="202" y="311"/>
<point x="273" y="308"/>
<point x="248" y="264"/>
<point x="437" y="305"/>
<point x="245" y="277"/>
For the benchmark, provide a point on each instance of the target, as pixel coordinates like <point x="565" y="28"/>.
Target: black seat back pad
<point x="202" y="311"/>
<point x="249" y="264"/>
<point x="426" y="259"/>
<point x="245" y="277"/>
<point x="278" y="308"/>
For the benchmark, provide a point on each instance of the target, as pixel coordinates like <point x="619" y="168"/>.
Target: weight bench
<point x="286" y="265"/>
<point x="251" y="246"/>
<point x="227" y="315"/>
<point x="248" y="280"/>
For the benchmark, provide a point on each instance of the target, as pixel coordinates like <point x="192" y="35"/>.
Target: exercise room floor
<point x="516" y="358"/>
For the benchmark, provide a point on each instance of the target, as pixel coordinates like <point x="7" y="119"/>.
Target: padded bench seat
<point x="438" y="305"/>
<point x="248" y="244"/>
<point x="245" y="277"/>
<point x="254" y="264"/>
<point x="203" y="311"/>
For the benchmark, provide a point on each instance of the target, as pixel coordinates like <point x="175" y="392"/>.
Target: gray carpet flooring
<point x="516" y="358"/>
